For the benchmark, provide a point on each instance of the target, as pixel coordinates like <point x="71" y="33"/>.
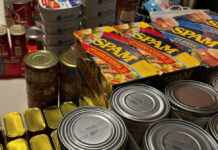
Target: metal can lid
<point x="67" y="107"/>
<point x="213" y="126"/>
<point x="3" y="29"/>
<point x="34" y="120"/>
<point x="14" y="125"/>
<point x="54" y="136"/>
<point x="20" y="1"/>
<point x="214" y="82"/>
<point x="40" y="142"/>
<point x="141" y="103"/>
<point x="193" y="96"/>
<point x="42" y="59"/>
<point x="177" y="134"/>
<point x="68" y="58"/>
<point x="17" y="30"/>
<point x="18" y="144"/>
<point x="92" y="128"/>
<point x="53" y="116"/>
<point x="34" y="33"/>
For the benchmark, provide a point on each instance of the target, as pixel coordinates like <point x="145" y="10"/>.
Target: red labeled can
<point x="23" y="12"/>
<point x="4" y="45"/>
<point x="18" y="41"/>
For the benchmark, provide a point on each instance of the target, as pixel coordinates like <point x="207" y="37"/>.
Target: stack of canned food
<point x="60" y="20"/>
<point x="98" y="13"/>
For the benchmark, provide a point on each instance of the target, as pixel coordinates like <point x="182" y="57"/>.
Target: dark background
<point x="207" y="4"/>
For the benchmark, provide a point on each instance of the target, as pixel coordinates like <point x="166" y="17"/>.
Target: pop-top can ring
<point x="139" y="105"/>
<point x="177" y="134"/>
<point x="192" y="100"/>
<point x="92" y="128"/>
<point x="213" y="127"/>
<point x="4" y="45"/>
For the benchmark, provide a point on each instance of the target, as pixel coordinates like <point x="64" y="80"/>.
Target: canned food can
<point x="70" y="88"/>
<point x="214" y="82"/>
<point x="67" y="107"/>
<point x="41" y="102"/>
<point x="18" y="144"/>
<point x="177" y="134"/>
<point x="14" y="125"/>
<point x="54" y="137"/>
<point x="92" y="128"/>
<point x="34" y="121"/>
<point x="139" y="105"/>
<point x="192" y="100"/>
<point x="40" y="142"/>
<point x="41" y="67"/>
<point x="213" y="127"/>
<point x="18" y="41"/>
<point x="23" y="12"/>
<point x="52" y="116"/>
<point x="4" y="45"/>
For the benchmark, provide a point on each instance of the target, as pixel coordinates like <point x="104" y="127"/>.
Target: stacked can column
<point x="70" y="79"/>
<point x="41" y="73"/>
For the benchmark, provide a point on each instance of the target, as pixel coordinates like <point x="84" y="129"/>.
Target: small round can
<point x="213" y="127"/>
<point x="92" y="128"/>
<point x="175" y="134"/>
<point x="23" y="12"/>
<point x="41" y="102"/>
<point x="139" y="105"/>
<point x="18" y="41"/>
<point x="214" y="82"/>
<point x="41" y="67"/>
<point x="4" y="45"/>
<point x="192" y="101"/>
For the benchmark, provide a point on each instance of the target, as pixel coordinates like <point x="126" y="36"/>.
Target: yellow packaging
<point x="67" y="107"/>
<point x="40" y="142"/>
<point x="18" y="144"/>
<point x="55" y="141"/>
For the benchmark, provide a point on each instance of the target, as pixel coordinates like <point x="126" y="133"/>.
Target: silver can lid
<point x="174" y="134"/>
<point x="213" y="126"/>
<point x="34" y="33"/>
<point x="92" y="128"/>
<point x="193" y="96"/>
<point x="141" y="103"/>
<point x="214" y="82"/>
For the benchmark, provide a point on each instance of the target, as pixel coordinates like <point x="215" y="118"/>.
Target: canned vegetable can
<point x="54" y="136"/>
<point x="4" y="45"/>
<point x="92" y="128"/>
<point x="18" y="144"/>
<point x="192" y="100"/>
<point x="177" y="134"/>
<point x="214" y="82"/>
<point x="40" y="142"/>
<point x="139" y="105"/>
<point x="213" y="127"/>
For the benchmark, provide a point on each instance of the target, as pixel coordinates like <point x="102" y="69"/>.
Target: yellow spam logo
<point x="212" y="23"/>
<point x="197" y="37"/>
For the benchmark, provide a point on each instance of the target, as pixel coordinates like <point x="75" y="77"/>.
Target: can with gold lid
<point x="92" y="128"/>
<point x="67" y="107"/>
<point x="214" y="82"/>
<point x="14" y="126"/>
<point x="40" y="142"/>
<point x="4" y="44"/>
<point x="52" y="116"/>
<point x="54" y="137"/>
<point x="18" y="144"/>
<point x="34" y="121"/>
<point x="175" y="134"/>
<point x="192" y="101"/>
<point x="213" y="127"/>
<point x="139" y="105"/>
<point x="18" y="41"/>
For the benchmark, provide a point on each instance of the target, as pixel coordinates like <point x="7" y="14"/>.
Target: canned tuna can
<point x="34" y="121"/>
<point x="92" y="128"/>
<point x="41" y="102"/>
<point x="192" y="101"/>
<point x="18" y="41"/>
<point x="40" y="142"/>
<point x="18" y="144"/>
<point x="214" y="82"/>
<point x="23" y="12"/>
<point x="139" y="105"/>
<point x="14" y="125"/>
<point x="41" y="67"/>
<point x="54" y="137"/>
<point x="177" y="135"/>
<point x="52" y="116"/>
<point x="213" y="127"/>
<point x="67" y="107"/>
<point x="4" y="45"/>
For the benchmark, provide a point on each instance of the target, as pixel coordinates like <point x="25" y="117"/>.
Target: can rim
<point x="64" y="57"/>
<point x="177" y="103"/>
<point x="17" y="30"/>
<point x="34" y="33"/>
<point x="214" y="82"/>
<point x="3" y="29"/>
<point x="213" y="123"/>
